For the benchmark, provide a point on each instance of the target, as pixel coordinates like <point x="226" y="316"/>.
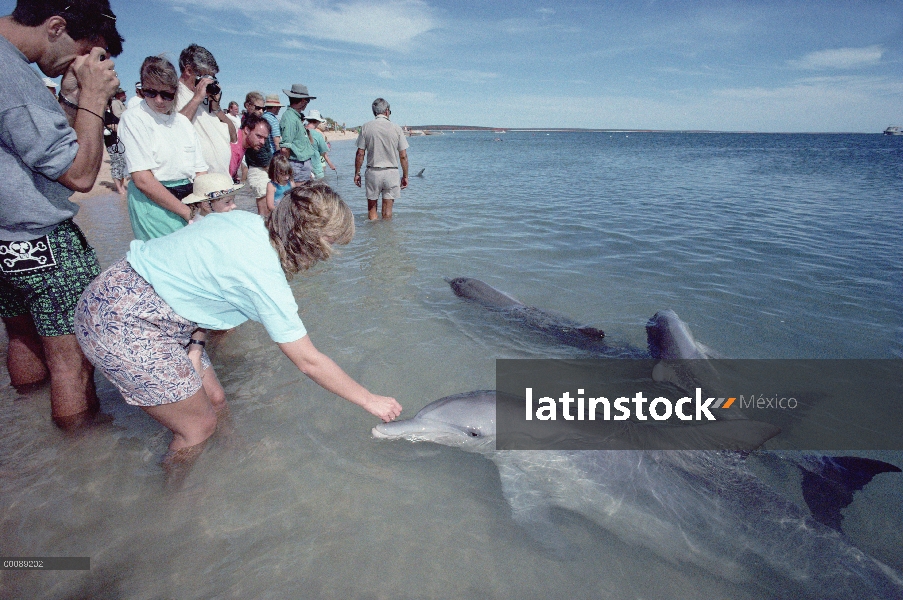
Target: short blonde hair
<point x="160" y="71"/>
<point x="305" y="225"/>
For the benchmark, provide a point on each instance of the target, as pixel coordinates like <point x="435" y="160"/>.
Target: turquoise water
<point x="768" y="246"/>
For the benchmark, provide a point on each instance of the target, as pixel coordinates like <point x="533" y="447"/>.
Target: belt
<point x="299" y="161"/>
<point x="382" y="168"/>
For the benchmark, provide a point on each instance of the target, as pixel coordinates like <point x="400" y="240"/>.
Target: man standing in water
<point x="384" y="144"/>
<point x="296" y="142"/>
<point x="50" y="147"/>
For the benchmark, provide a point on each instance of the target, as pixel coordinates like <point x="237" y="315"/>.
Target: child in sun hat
<point x="213" y="193"/>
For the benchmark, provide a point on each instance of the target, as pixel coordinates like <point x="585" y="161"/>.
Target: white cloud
<point x="840" y="58"/>
<point x="392" y="24"/>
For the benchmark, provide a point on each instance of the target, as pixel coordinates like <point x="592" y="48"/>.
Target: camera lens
<point x="213" y="89"/>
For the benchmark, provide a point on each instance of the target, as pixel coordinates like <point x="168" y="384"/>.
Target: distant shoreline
<point x="585" y="130"/>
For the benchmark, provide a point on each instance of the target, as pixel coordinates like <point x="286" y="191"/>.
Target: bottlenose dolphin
<point x="557" y="325"/>
<point x="702" y="507"/>
<point x="669" y="338"/>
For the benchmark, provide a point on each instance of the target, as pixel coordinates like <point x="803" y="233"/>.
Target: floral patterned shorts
<point x="136" y="340"/>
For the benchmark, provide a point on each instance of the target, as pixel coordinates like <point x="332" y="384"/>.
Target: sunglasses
<point x="259" y="107"/>
<point x="148" y="93"/>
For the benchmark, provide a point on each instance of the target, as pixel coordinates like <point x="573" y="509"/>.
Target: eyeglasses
<point x="148" y="93"/>
<point x="259" y="107"/>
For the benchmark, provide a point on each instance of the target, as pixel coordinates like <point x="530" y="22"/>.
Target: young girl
<point x="280" y="181"/>
<point x="213" y="193"/>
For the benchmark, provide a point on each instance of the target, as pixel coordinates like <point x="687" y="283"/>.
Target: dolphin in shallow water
<point x="702" y="507"/>
<point x="557" y="325"/>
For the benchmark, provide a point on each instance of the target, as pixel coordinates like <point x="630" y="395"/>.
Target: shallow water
<point x="769" y="246"/>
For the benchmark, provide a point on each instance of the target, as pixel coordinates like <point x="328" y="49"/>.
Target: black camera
<point x="212" y="87"/>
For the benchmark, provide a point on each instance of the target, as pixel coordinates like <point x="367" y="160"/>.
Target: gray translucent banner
<point x="699" y="404"/>
<point x="45" y="563"/>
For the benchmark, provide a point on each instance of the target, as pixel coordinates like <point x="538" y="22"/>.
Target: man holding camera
<point x="198" y="99"/>
<point x="49" y="148"/>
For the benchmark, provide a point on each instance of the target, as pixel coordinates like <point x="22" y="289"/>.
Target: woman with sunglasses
<point x="162" y="154"/>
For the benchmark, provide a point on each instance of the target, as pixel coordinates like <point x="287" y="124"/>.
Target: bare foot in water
<point x="177" y="465"/>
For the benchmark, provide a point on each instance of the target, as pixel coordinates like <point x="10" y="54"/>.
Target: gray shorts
<point x="383" y="181"/>
<point x="300" y="170"/>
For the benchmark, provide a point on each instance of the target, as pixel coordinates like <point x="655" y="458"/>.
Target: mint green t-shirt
<point x="220" y="272"/>
<point x="317" y="162"/>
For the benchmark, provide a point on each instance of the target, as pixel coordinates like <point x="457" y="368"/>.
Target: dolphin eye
<point x="473" y="433"/>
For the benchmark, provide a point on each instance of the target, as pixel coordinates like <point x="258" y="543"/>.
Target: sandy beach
<point x="105" y="185"/>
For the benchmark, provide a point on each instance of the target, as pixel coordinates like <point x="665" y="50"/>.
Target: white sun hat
<point x="212" y="186"/>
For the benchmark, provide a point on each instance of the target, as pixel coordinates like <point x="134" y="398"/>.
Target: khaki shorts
<point x="258" y="180"/>
<point x="383" y="181"/>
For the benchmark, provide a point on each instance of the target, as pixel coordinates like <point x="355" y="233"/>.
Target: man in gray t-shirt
<point x="46" y="152"/>
<point x="385" y="146"/>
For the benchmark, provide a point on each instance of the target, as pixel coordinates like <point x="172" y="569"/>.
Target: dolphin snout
<point x="375" y="432"/>
<point x="397" y="429"/>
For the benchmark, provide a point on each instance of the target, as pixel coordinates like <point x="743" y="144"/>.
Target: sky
<point x="782" y="66"/>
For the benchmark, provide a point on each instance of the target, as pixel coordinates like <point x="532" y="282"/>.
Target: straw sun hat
<point x="212" y="186"/>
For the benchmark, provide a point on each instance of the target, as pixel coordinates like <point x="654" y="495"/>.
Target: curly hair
<point x="199" y="59"/>
<point x="306" y="224"/>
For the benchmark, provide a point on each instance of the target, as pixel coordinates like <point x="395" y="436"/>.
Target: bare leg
<point x="73" y="398"/>
<point x="120" y="187"/>
<point x="371" y="209"/>
<point x="191" y="421"/>
<point x="25" y="355"/>
<point x="262" y="206"/>
<point x="387" y="207"/>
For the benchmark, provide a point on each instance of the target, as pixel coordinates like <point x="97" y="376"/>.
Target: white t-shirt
<point x="166" y="145"/>
<point x="133" y="102"/>
<point x="213" y="133"/>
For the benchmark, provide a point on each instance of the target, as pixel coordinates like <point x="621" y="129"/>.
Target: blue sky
<point x="734" y="66"/>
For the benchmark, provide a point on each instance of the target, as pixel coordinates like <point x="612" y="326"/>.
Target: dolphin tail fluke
<point x="831" y="489"/>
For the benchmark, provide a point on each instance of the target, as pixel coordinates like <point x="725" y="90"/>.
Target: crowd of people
<point x="196" y="264"/>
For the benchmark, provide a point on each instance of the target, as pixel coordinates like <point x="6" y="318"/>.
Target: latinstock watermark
<point x="696" y="405"/>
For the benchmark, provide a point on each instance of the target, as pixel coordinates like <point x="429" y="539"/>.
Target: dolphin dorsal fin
<point x="830" y="490"/>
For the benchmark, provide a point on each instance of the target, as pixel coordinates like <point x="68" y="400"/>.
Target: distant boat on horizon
<point x="894" y="130"/>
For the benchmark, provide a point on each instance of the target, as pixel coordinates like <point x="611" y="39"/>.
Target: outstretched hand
<point x="384" y="407"/>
